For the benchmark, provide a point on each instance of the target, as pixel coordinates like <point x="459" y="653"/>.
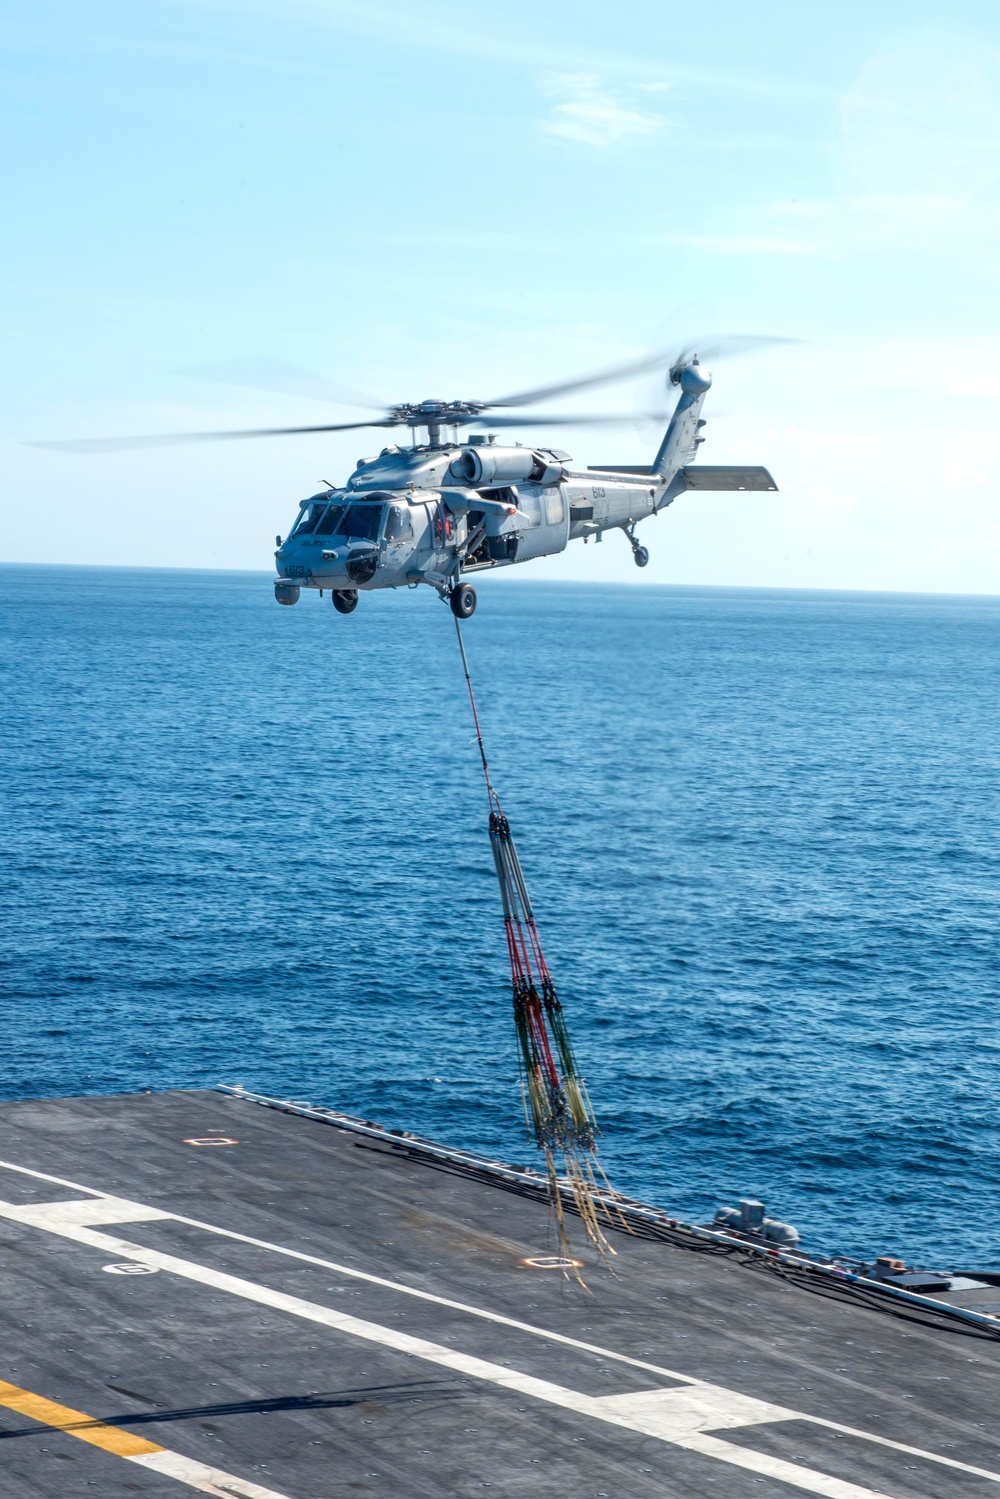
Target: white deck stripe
<point x="777" y="1467"/>
<point x="312" y="1259"/>
<point x="200" y="1476"/>
<point x="87" y="1212"/>
<point x="117" y="1442"/>
<point x="114" y="1204"/>
<point x="58" y="1181"/>
<point x="725" y="1409"/>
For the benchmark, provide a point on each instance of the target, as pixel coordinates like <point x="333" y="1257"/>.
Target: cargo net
<point x="557" y="1110"/>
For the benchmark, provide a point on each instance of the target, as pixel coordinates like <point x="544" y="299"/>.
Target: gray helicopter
<point x="438" y="512"/>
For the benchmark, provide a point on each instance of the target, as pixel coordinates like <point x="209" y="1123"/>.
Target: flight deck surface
<point x="306" y="1313"/>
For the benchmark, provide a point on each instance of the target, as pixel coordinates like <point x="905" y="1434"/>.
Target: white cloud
<point x="923" y="117"/>
<point x="904" y="229"/>
<point x="949" y="366"/>
<point x="745" y="244"/>
<point x="917" y="165"/>
<point x="588" y="114"/>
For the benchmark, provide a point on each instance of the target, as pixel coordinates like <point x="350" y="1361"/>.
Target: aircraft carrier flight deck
<point x="204" y="1295"/>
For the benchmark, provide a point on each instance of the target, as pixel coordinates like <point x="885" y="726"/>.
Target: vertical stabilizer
<point x="680" y="443"/>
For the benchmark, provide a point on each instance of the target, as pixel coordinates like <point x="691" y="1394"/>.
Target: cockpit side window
<point x="398" y="526"/>
<point x="309" y="517"/>
<point x="362" y="523"/>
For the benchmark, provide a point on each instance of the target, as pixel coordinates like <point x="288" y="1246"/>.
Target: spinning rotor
<point x="436" y="415"/>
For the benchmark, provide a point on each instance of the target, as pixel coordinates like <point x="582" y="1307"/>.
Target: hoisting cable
<point x="558" y="1112"/>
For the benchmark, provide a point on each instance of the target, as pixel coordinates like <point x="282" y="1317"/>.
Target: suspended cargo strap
<point x="558" y="1112"/>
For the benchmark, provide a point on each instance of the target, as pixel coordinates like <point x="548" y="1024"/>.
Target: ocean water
<point x="762" y="832"/>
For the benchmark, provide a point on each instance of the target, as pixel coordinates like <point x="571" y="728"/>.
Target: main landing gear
<point x="345" y="600"/>
<point x="463" y="600"/>
<point x="640" y="556"/>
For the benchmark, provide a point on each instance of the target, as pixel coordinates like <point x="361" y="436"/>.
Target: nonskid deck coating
<point x="308" y="1314"/>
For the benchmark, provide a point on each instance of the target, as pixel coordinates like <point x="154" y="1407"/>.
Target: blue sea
<point x="248" y="844"/>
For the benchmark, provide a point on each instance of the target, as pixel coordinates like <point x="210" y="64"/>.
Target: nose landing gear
<point x="640" y="555"/>
<point x="463" y="600"/>
<point x="345" y="600"/>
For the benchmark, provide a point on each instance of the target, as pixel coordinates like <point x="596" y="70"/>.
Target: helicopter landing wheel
<point x="345" y="600"/>
<point x="640" y="556"/>
<point x="463" y="601"/>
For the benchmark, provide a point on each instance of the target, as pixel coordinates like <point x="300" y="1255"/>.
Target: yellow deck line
<point x="64" y="1418"/>
<point x="186" y="1470"/>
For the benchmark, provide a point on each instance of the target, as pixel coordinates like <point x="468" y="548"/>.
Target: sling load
<point x="558" y="1112"/>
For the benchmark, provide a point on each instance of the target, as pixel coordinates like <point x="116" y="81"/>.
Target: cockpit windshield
<point x="328" y="525"/>
<point x="357" y="522"/>
<point x="361" y="523"/>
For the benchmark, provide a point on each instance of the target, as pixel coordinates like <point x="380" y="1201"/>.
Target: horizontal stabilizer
<point x="697" y="475"/>
<point x="723" y="476"/>
<point x="619" y="468"/>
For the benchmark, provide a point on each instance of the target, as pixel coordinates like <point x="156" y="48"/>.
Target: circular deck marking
<point x="130" y="1268"/>
<point x="551" y="1262"/>
<point x="213" y="1140"/>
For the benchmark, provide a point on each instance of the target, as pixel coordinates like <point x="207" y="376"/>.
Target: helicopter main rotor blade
<point x="597" y="419"/>
<point x="587" y="382"/>
<point x="719" y="348"/>
<point x="264" y="373"/>
<point x="731" y="346"/>
<point x="176" y="439"/>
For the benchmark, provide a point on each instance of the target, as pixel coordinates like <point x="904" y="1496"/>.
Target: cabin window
<point x="555" y="509"/>
<point x="531" y="506"/>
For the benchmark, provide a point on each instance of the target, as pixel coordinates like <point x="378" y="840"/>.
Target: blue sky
<point x="440" y="200"/>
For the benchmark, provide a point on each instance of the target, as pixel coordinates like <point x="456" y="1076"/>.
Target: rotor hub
<point x="441" y="413"/>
